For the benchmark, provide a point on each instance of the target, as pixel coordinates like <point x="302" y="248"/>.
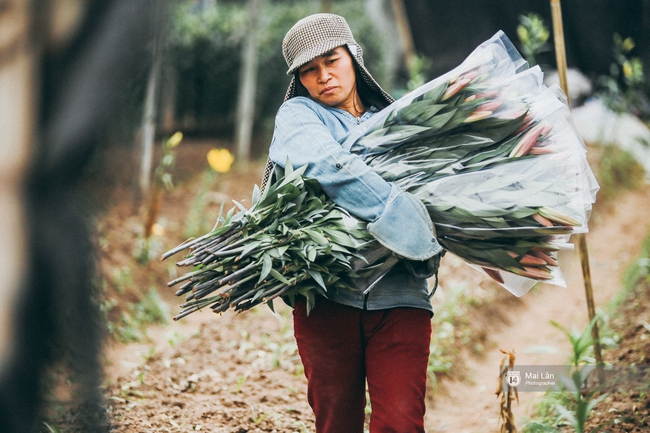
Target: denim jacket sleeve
<point x="305" y="135"/>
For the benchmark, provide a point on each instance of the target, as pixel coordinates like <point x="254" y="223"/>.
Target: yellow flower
<point x="627" y="69"/>
<point x="628" y="45"/>
<point x="157" y="230"/>
<point x="522" y="32"/>
<point x="220" y="160"/>
<point x="175" y="139"/>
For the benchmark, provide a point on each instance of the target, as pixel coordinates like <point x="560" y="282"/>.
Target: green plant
<point x="624" y="89"/>
<point x="583" y="402"/>
<point x="162" y="179"/>
<point x="617" y="170"/>
<point x="174" y="338"/>
<point x="122" y="279"/>
<point x="131" y="324"/>
<point x="582" y="342"/>
<point x="53" y="428"/>
<point x="240" y="383"/>
<point x="303" y="427"/>
<point x="577" y="400"/>
<point x="536" y="427"/>
<point x="257" y="419"/>
<point x="533" y="35"/>
<point x="450" y="329"/>
<point x="198" y="220"/>
<point x="150" y="355"/>
<point x="635" y="274"/>
<point x="554" y="405"/>
<point x="418" y="69"/>
<point x="292" y="240"/>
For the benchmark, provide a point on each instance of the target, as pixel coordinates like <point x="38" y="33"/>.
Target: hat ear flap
<point x="291" y="90"/>
<point x="295" y="89"/>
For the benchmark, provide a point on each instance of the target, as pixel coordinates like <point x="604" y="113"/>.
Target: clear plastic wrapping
<point x="494" y="155"/>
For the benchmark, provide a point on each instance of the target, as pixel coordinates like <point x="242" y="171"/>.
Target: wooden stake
<point x="560" y="55"/>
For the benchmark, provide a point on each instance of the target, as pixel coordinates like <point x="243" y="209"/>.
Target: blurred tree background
<point x="204" y="44"/>
<point x="203" y="51"/>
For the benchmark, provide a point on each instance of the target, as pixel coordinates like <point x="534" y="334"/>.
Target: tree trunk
<point x="168" y="102"/>
<point x="383" y="20"/>
<point x="404" y="31"/>
<point x="248" y="83"/>
<point x="150" y="107"/>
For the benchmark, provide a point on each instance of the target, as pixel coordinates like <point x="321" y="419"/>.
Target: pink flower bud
<point x="477" y="115"/>
<point x="526" y="142"/>
<point x="490" y="106"/>
<point x="454" y="88"/>
<point x="540" y="150"/>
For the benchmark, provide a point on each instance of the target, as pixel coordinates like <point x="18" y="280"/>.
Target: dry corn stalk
<point x="505" y="414"/>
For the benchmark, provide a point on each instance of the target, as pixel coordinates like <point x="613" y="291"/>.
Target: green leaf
<point x="240" y="206"/>
<point x="257" y="195"/>
<point x="53" y="428"/>
<point x="339" y="238"/>
<point x="317" y="277"/>
<point x="439" y="120"/>
<point x="267" y="265"/>
<point x="257" y="295"/>
<point x="311" y="254"/>
<point x="278" y="276"/>
<point x="436" y="93"/>
<point x="249" y="248"/>
<point x="317" y="237"/>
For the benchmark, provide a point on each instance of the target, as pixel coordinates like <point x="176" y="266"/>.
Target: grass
<point x="273" y="349"/>
<point x="130" y="325"/>
<point x="635" y="274"/>
<point x="451" y="329"/>
<point x="617" y="171"/>
<point x="199" y="220"/>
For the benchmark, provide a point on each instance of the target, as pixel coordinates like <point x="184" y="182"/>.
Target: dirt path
<point x="240" y="373"/>
<point x="613" y="243"/>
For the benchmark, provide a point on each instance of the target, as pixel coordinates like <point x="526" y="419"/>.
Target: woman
<point x="381" y="336"/>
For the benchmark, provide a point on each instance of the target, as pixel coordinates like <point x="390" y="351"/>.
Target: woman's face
<point x="330" y="79"/>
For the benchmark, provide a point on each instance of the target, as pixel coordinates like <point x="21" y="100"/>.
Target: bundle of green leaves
<point x="292" y="240"/>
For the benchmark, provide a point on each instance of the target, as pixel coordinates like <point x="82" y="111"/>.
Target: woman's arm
<point x="397" y="219"/>
<point x="302" y="136"/>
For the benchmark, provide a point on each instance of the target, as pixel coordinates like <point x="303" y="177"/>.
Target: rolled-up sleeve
<point x="302" y="137"/>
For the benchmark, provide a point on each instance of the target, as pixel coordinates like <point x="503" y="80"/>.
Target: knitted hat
<point x="314" y="36"/>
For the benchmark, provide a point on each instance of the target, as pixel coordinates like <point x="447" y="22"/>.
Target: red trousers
<point x="341" y="347"/>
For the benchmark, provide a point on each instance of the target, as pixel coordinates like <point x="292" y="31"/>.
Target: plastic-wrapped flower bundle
<point x="494" y="156"/>
<point x="490" y="151"/>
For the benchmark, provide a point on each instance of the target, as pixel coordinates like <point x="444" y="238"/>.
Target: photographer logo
<point x="513" y="378"/>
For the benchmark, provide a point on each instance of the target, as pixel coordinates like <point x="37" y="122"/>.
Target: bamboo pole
<point x="560" y="55"/>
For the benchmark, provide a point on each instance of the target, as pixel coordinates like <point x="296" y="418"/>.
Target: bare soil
<point x="240" y="373"/>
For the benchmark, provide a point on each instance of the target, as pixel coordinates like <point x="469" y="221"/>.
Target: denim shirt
<point x="310" y="134"/>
